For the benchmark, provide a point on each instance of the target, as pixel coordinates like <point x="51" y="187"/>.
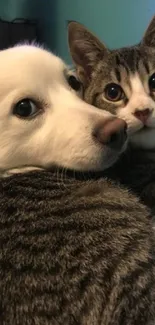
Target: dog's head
<point x="119" y="81"/>
<point x="43" y="121"/>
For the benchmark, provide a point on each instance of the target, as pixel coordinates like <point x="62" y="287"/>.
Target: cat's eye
<point x="74" y="83"/>
<point x="113" y="92"/>
<point x="152" y="82"/>
<point x="25" y="108"/>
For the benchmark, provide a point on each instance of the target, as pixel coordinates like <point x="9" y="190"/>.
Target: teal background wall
<point x="116" y="22"/>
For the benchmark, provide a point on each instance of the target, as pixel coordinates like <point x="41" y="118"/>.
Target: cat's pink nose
<point x="143" y="115"/>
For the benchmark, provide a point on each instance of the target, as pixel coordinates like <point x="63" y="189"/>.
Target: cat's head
<point x="121" y="81"/>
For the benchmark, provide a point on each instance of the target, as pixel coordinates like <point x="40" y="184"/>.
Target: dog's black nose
<point x="111" y="133"/>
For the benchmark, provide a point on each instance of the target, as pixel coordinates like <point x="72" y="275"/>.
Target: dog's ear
<point x="86" y="50"/>
<point x="149" y="36"/>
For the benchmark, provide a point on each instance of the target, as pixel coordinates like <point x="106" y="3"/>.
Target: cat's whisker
<point x="62" y="178"/>
<point x="58" y="177"/>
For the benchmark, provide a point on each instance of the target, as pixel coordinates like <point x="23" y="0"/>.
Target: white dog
<point x="43" y="122"/>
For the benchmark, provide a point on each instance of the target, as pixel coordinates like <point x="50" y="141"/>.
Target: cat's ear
<point x="85" y="48"/>
<point x="149" y="36"/>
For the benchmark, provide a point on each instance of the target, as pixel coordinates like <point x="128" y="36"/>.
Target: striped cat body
<point x="74" y="252"/>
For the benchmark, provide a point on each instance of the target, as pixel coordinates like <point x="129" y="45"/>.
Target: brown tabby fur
<point x="76" y="252"/>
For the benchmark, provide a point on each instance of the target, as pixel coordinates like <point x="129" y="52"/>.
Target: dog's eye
<point x="25" y="108"/>
<point x="113" y="92"/>
<point x="152" y="82"/>
<point x="74" y="83"/>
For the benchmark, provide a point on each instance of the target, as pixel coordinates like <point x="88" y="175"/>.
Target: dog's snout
<point x="111" y="133"/>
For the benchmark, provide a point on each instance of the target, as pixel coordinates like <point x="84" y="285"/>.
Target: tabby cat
<point x="74" y="252"/>
<point x="122" y="81"/>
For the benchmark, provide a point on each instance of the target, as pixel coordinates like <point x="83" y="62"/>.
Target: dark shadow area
<point x="44" y="11"/>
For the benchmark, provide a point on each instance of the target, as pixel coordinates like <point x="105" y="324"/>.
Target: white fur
<point x="140" y="99"/>
<point x="62" y="134"/>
